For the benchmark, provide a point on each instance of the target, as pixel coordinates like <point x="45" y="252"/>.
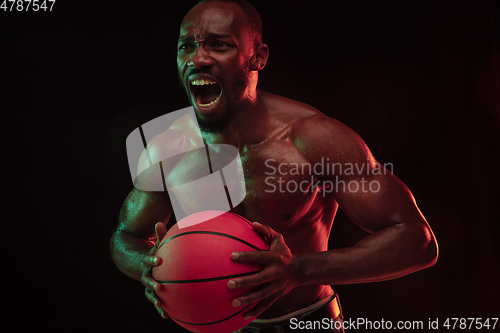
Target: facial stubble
<point x="210" y="125"/>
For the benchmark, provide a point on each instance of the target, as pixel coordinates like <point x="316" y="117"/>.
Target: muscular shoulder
<point x="167" y="147"/>
<point x="319" y="136"/>
<point x="315" y="134"/>
<point x="287" y="111"/>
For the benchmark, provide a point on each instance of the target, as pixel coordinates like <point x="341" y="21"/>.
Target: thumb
<point x="160" y="230"/>
<point x="264" y="230"/>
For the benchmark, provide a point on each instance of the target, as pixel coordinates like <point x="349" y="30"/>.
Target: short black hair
<point x="250" y="12"/>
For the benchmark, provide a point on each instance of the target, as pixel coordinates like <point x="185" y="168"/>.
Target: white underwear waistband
<point x="299" y="313"/>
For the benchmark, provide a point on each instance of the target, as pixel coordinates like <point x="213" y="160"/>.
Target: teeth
<point x="202" y="82"/>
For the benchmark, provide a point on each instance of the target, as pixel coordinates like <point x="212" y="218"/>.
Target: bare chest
<point x="277" y="189"/>
<point x="277" y="184"/>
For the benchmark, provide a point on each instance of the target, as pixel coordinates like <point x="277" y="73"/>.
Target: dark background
<point x="417" y="80"/>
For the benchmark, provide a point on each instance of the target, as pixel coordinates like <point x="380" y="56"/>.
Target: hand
<point x="149" y="262"/>
<point x="278" y="277"/>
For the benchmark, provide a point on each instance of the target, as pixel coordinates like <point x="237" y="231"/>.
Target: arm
<point x="134" y="237"/>
<point x="400" y="240"/>
<point x="132" y="243"/>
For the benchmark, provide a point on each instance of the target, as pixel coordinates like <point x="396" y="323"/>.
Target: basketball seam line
<point x="264" y="238"/>
<point x="208" y="279"/>
<point x="241" y="218"/>
<point x="212" y="233"/>
<point x="214" y="322"/>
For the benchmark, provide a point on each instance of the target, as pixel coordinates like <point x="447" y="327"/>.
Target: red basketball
<point x="196" y="266"/>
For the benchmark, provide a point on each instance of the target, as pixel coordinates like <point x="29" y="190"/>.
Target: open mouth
<point x="206" y="92"/>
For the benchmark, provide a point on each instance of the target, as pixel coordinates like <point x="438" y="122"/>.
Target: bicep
<point x="141" y="210"/>
<point x="370" y="195"/>
<point x="376" y="201"/>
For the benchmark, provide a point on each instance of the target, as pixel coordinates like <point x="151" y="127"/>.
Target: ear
<point x="259" y="59"/>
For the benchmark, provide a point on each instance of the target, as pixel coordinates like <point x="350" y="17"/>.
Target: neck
<point x="243" y="129"/>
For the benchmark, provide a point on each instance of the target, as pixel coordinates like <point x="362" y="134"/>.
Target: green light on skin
<point x="300" y="144"/>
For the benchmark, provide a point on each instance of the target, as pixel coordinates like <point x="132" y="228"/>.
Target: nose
<point x="200" y="59"/>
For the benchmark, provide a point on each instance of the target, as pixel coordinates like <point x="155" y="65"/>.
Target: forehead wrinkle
<point x="215" y="18"/>
<point x="236" y="35"/>
<point x="204" y="36"/>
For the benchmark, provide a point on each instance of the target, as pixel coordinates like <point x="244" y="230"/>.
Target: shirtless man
<point x="221" y="41"/>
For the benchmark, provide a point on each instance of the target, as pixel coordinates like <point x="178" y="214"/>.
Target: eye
<point x="186" y="47"/>
<point x="218" y="45"/>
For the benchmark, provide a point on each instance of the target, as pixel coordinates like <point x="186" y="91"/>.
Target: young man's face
<point x="214" y="49"/>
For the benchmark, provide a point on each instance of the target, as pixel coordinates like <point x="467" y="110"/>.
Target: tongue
<point x="208" y="93"/>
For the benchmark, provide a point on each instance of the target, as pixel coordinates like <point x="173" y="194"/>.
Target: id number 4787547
<point x="27" y="5"/>
<point x="470" y="323"/>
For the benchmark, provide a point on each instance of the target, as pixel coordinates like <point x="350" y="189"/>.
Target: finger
<point x="252" y="280"/>
<point x="269" y="233"/>
<point x="151" y="260"/>
<point x="256" y="296"/>
<point x="150" y="283"/>
<point x="161" y="312"/>
<point x="263" y="229"/>
<point x="276" y="240"/>
<point x="160" y="230"/>
<point x="261" y="307"/>
<point x="151" y="296"/>
<point x="258" y="257"/>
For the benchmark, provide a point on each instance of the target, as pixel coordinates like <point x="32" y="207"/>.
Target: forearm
<point x="128" y="251"/>
<point x="387" y="254"/>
